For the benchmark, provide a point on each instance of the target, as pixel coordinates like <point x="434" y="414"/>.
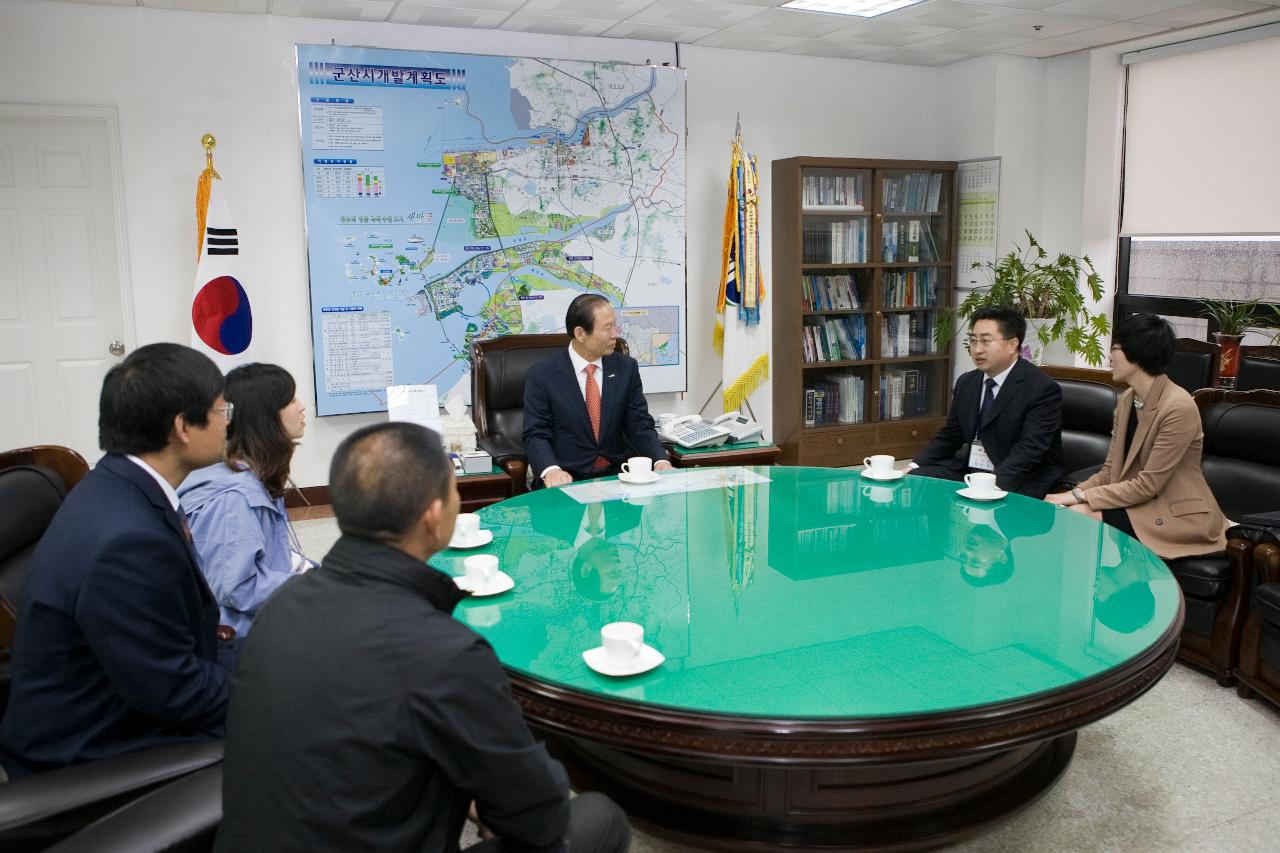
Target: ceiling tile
<point x="1112" y="10"/>
<point x="1119" y="31"/>
<point x="1051" y="25"/>
<point x="658" y="32"/>
<point x="481" y="19"/>
<point x="948" y="13"/>
<point x="695" y="13"/>
<point x="1201" y="13"/>
<point x="886" y="35"/>
<point x="337" y="10"/>
<point x="468" y="5"/>
<point x="617" y="10"/>
<point x="555" y="25"/>
<point x="791" y="22"/>
<point x="749" y="41"/>
<point x="1025" y="5"/>
<point x="831" y="49"/>
<point x="910" y="56"/>
<point x="105" y="2"/>
<point x="968" y="41"/>
<point x="1042" y="48"/>
<point x="250" y="7"/>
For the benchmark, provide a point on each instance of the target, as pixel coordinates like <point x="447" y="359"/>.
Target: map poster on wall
<point x="978" y="201"/>
<point x="451" y="197"/>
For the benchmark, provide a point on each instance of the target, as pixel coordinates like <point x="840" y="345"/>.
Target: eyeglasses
<point x="227" y="409"/>
<point x="983" y="341"/>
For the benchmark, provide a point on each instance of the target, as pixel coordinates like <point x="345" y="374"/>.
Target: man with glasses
<point x="117" y="644"/>
<point x="1006" y="416"/>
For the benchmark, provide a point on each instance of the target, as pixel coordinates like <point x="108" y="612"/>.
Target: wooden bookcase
<point x="860" y="246"/>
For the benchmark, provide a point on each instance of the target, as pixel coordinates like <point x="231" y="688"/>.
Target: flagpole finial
<point x="737" y="127"/>
<point x="209" y="143"/>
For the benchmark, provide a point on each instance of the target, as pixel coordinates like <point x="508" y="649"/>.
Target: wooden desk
<point x="480" y="490"/>
<point x="743" y="453"/>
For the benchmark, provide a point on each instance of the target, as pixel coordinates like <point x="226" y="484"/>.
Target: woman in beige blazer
<point x="1151" y="485"/>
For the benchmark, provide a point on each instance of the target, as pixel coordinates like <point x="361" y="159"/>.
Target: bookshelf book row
<point x="840" y="398"/>
<point x="903" y="335"/>
<point x="908" y="241"/>
<point x="914" y="192"/>
<point x="835" y="339"/>
<point x="909" y="288"/>
<point x="842" y="191"/>
<point x="830" y="293"/>
<point x="836" y="242"/>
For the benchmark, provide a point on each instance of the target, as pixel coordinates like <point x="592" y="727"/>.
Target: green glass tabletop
<point x="816" y="593"/>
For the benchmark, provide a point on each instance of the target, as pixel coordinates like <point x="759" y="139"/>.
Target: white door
<point x="62" y="319"/>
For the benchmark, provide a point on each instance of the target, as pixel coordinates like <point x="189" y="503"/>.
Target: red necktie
<point x="593" y="401"/>
<point x="593" y="411"/>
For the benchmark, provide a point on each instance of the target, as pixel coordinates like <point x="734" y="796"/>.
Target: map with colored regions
<point x="451" y="197"/>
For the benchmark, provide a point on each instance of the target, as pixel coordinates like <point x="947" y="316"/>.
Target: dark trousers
<point x="596" y="825"/>
<point x="940" y="472"/>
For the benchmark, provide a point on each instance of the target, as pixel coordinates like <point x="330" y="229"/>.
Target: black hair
<point x="144" y="393"/>
<point x="383" y="477"/>
<point x="582" y="312"/>
<point x="1000" y="569"/>
<point x="1127" y="609"/>
<point x="1010" y="320"/>
<point x="255" y="435"/>
<point x="1147" y="340"/>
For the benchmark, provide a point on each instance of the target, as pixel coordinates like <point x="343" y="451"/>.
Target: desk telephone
<point x="692" y="431"/>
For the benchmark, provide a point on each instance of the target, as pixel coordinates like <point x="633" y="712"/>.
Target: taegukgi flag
<point x="221" y="317"/>
<point x="737" y="336"/>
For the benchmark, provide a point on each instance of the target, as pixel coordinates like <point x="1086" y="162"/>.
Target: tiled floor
<point x="1188" y="767"/>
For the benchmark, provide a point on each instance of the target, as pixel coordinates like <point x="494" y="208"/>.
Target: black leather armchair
<point x="498" y="370"/>
<point x="1259" y="369"/>
<point x="1241" y="464"/>
<point x="1195" y="364"/>
<point x="1088" y="404"/>
<point x="38" y="810"/>
<point x="1259" y="667"/>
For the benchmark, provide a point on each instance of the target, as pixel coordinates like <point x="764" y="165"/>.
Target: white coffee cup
<point x="622" y="642"/>
<point x="484" y="617"/>
<point x="979" y="514"/>
<point x="981" y="483"/>
<point x="665" y="419"/>
<point x="467" y="527"/>
<point x="879" y="494"/>
<point x="881" y="464"/>
<point x="481" y="569"/>
<point x="640" y="467"/>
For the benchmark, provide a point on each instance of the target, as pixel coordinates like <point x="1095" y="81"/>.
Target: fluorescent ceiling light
<point x="862" y="8"/>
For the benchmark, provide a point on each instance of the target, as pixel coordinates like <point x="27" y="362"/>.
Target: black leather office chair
<point x="1259" y="369"/>
<point x="498" y="370"/>
<point x="1195" y="364"/>
<point x="38" y="810"/>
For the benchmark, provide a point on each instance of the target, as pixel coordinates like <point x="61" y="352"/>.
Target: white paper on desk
<point x="417" y="404"/>
<point x="668" y="483"/>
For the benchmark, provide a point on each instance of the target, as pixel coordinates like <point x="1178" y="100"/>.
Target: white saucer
<point x="653" y="477"/>
<point x="598" y="659"/>
<point x="484" y="537"/>
<point x="968" y="494"/>
<point x="896" y="475"/>
<point x="501" y="583"/>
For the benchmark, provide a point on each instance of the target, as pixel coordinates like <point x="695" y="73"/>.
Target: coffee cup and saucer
<point x="467" y="533"/>
<point x="638" y="470"/>
<point x="880" y="467"/>
<point x="483" y="577"/>
<point x="980" y="486"/>
<point x="622" y="651"/>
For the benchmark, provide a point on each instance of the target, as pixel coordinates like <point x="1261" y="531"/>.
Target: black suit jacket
<point x="557" y="430"/>
<point x="116" y="647"/>
<point x="1022" y="432"/>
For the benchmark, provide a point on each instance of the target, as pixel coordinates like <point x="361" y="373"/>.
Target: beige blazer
<point x="1159" y="481"/>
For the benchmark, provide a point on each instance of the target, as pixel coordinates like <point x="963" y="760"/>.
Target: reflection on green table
<point x="819" y="594"/>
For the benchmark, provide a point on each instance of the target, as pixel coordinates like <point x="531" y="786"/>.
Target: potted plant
<point x="1233" y="319"/>
<point x="1047" y="292"/>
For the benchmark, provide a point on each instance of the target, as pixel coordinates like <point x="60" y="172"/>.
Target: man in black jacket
<point x="364" y="716"/>
<point x="1006" y="416"/>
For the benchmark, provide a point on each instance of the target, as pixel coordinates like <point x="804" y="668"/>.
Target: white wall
<point x="174" y="75"/>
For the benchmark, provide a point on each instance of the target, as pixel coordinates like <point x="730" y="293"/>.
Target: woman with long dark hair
<point x="236" y="507"/>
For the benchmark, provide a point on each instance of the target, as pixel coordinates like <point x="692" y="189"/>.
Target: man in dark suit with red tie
<point x="584" y="408"/>
<point x="117" y="642"/>
<point x="1006" y="416"/>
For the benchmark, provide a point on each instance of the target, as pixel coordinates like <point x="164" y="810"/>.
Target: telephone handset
<point x="692" y="431"/>
<point x="741" y="427"/>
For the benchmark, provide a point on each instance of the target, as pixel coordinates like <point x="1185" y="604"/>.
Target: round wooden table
<point x="849" y="664"/>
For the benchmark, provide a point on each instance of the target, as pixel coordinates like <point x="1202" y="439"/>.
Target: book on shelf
<point x="907" y="334"/>
<point x="829" y="293"/>
<point x="835" y="339"/>
<point x="839" y="241"/>
<point x="904" y="393"/>
<point x="841" y="191"/>
<point x="838" y="398"/>
<point x="908" y="241"/>
<point x="909" y="288"/>
<point x="913" y="192"/>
